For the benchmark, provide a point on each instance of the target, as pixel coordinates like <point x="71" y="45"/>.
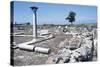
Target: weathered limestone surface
<point x="80" y="48"/>
<point x="65" y="48"/>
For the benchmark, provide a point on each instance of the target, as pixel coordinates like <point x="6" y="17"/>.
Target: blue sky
<point x="49" y="13"/>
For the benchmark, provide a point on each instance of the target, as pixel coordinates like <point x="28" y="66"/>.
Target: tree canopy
<point x="71" y="17"/>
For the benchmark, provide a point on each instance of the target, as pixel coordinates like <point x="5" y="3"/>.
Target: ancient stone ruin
<point x="79" y="48"/>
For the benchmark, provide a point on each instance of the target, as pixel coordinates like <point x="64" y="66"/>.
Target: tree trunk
<point x="71" y="23"/>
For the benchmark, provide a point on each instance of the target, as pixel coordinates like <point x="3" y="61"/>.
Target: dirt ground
<point x="22" y="57"/>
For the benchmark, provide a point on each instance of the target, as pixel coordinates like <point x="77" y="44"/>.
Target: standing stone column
<point x="34" y="9"/>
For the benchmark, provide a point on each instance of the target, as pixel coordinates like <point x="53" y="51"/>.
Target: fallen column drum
<point x="42" y="50"/>
<point x="34" y="48"/>
<point x="26" y="47"/>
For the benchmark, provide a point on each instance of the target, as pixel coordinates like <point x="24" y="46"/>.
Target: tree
<point x="71" y="17"/>
<point x="28" y="23"/>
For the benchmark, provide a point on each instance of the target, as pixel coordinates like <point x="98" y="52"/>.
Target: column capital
<point x="34" y="9"/>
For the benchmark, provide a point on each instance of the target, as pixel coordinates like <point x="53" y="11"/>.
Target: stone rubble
<point x="79" y="48"/>
<point x="68" y="45"/>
